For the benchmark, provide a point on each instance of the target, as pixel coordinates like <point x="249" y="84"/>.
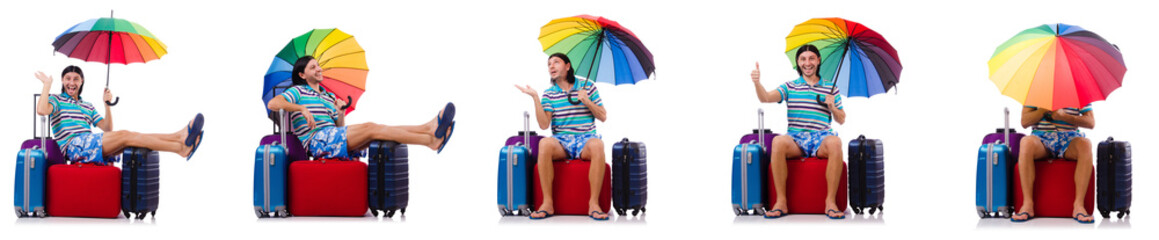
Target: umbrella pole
<point x="108" y="63"/>
<point x="599" y="46"/>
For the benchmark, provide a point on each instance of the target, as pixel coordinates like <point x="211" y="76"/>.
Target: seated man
<point x="812" y="102"/>
<point x="573" y="131"/>
<point x="72" y="119"/>
<point x="322" y="128"/>
<point x="1055" y="135"/>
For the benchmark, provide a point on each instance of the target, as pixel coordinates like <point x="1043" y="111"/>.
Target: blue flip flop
<point x="198" y="141"/>
<point x="1076" y="218"/>
<point x="1027" y="214"/>
<point x="832" y="217"/>
<point x="775" y="217"/>
<point x="445" y="120"/>
<point x="545" y="215"/>
<point x="198" y="123"/>
<point x="451" y="130"/>
<point x="593" y="213"/>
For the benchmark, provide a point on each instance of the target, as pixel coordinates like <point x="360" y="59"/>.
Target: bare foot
<point x="1080" y="214"/>
<point x="1027" y="208"/>
<point x="544" y="211"/>
<point x="773" y="213"/>
<point x="595" y="212"/>
<point x="833" y="211"/>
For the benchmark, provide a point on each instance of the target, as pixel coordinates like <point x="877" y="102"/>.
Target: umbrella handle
<point x="114" y="102"/>
<point x="349" y="100"/>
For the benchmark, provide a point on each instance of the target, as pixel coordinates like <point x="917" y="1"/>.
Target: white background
<point x="423" y="54"/>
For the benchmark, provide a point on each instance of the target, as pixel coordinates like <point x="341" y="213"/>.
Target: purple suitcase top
<point x="54" y="154"/>
<point x="533" y="146"/>
<point x="752" y="137"/>
<point x="1015" y="139"/>
<point x="296" y="151"/>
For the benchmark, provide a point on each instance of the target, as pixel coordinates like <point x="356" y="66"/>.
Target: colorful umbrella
<point x="600" y="49"/>
<point x="1057" y="66"/>
<point x="109" y="40"/>
<point x="342" y="60"/>
<point x="867" y="64"/>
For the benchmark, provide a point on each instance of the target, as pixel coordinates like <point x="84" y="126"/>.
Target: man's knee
<point x="780" y="143"/>
<point x="595" y="144"/>
<point x="832" y="142"/>
<point x="1081" y="147"/>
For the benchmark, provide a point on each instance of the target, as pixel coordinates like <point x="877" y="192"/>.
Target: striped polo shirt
<point x="321" y="105"/>
<point x="70" y="117"/>
<point x="805" y="114"/>
<point x="1059" y="125"/>
<point x="568" y="118"/>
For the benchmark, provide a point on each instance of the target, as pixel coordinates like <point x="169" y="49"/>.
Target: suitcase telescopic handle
<point x="761" y="126"/>
<point x="527" y="130"/>
<point x="1006" y="130"/>
<point x="282" y="124"/>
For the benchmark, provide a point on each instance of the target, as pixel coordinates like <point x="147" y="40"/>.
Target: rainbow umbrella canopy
<point x="600" y="49"/>
<point x="1057" y="66"/>
<point x="342" y="60"/>
<point x="858" y="59"/>
<point x="109" y="40"/>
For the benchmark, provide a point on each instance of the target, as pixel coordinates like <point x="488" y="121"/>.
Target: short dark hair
<point x="300" y="67"/>
<point x="73" y="69"/>
<point x="803" y="49"/>
<point x="570" y="71"/>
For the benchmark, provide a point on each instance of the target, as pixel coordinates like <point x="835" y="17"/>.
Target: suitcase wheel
<point x="759" y="211"/>
<point x="620" y="211"/>
<point x="42" y="214"/>
<point x="282" y="213"/>
<point x="374" y="212"/>
<point x="126" y="213"/>
<point x="389" y="213"/>
<point x="856" y="210"/>
<point x="259" y="213"/>
<point x="505" y="212"/>
<point x="19" y="213"/>
<point x="1107" y="214"/>
<point x="873" y="210"/>
<point x="637" y="212"/>
<point x="525" y="212"/>
<point x="403" y="212"/>
<point x="982" y="213"/>
<point x="737" y="211"/>
<point x="1123" y="213"/>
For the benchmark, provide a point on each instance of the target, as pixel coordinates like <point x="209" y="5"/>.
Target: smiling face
<point x="72" y="82"/>
<point x="312" y="72"/>
<point x="558" y="68"/>
<point x="807" y="62"/>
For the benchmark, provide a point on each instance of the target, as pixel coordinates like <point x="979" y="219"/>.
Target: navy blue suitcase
<point x="866" y="175"/>
<point x="750" y="167"/>
<point x="140" y="182"/>
<point x="629" y="177"/>
<point x="1113" y="177"/>
<point x="389" y="178"/>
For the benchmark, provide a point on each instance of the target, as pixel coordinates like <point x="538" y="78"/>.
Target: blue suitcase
<point x="271" y="166"/>
<point x="388" y="181"/>
<point x="1113" y="178"/>
<point x="629" y="177"/>
<point x="750" y="167"/>
<point x="992" y="191"/>
<point x="140" y="182"/>
<point x="515" y="166"/>
<point x="866" y="175"/>
<point x="29" y="190"/>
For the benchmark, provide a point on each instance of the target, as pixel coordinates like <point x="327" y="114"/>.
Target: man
<point x="1055" y="135"/>
<point x="573" y="131"/>
<point x="811" y="103"/>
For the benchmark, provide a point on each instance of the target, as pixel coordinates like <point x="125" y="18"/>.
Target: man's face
<point x="557" y="68"/>
<point x="72" y="83"/>
<point x="807" y="62"/>
<point x="313" y="72"/>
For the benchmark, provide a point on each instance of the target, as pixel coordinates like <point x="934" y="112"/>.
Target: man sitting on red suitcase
<point x="72" y="119"/>
<point x="324" y="131"/>
<point x="811" y="103"/>
<point x="1055" y="135"/>
<point x="573" y="131"/>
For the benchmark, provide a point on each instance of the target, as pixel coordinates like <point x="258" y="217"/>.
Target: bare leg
<point x="1032" y="149"/>
<point x="1080" y="149"/>
<point x="358" y="136"/>
<point x="783" y="148"/>
<point x="114" y="142"/>
<point x="831" y="149"/>
<point x="594" y="152"/>
<point x="549" y="150"/>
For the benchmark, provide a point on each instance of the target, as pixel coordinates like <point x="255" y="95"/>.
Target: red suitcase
<point x="327" y="187"/>
<point x="806" y="186"/>
<point x="83" y="190"/>
<point x="571" y="189"/>
<point x="1054" y="189"/>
